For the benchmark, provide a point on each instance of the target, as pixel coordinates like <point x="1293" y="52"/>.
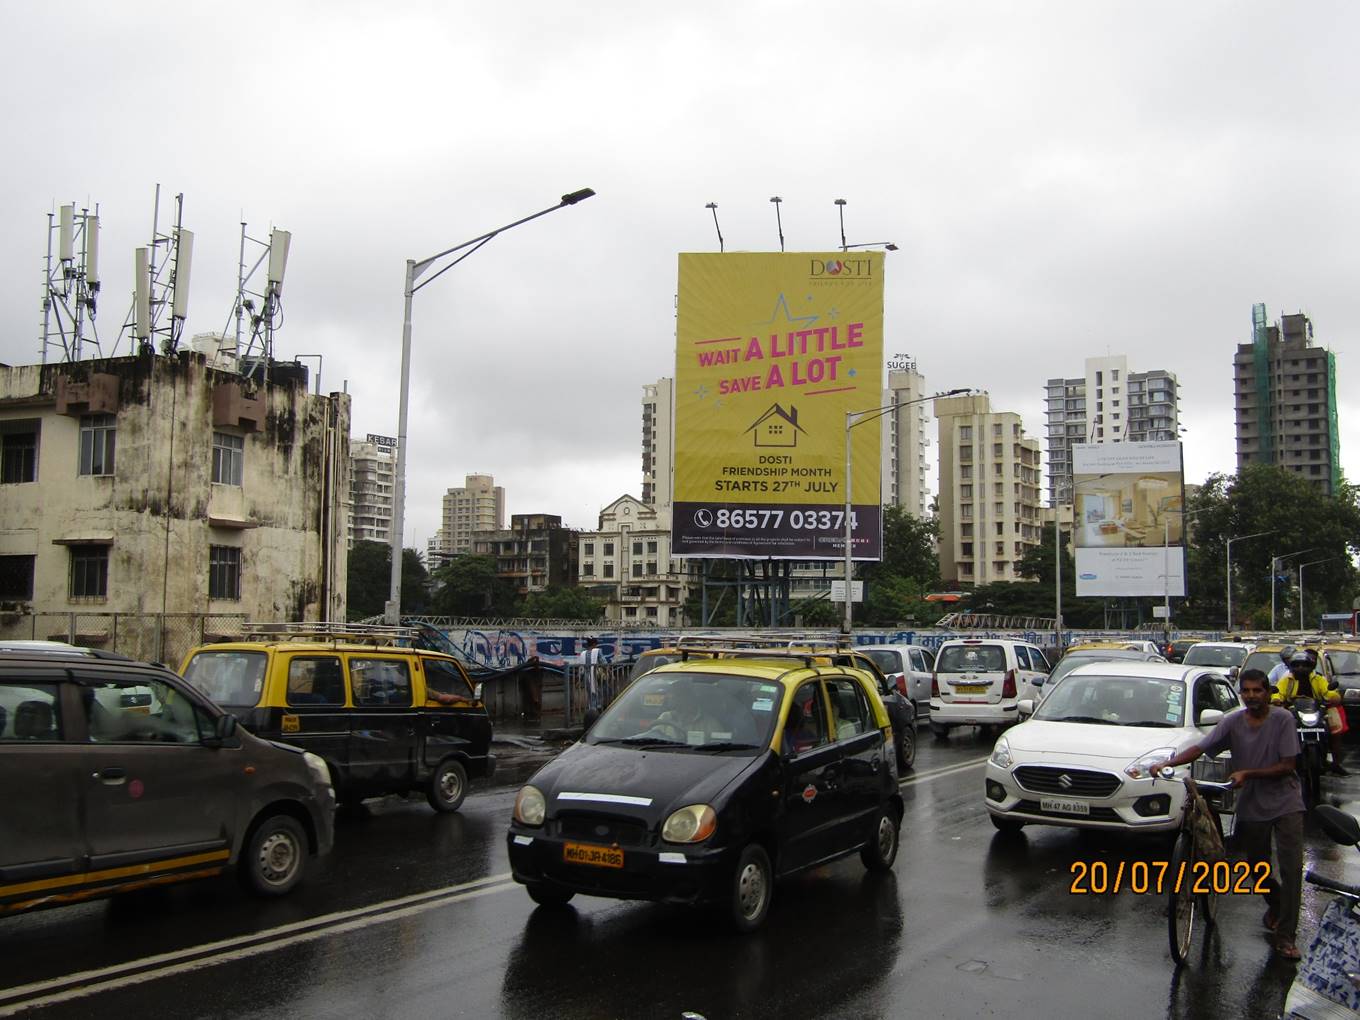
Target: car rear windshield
<point x="1345" y="663"/>
<point x="1216" y="655"/>
<point x="1264" y="661"/>
<point x="232" y="679"/>
<point x="885" y="659"/>
<point x="1116" y="701"/>
<point x="692" y="711"/>
<point x="971" y="659"/>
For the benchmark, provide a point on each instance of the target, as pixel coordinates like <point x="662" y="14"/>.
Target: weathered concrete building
<point x="154" y="484"/>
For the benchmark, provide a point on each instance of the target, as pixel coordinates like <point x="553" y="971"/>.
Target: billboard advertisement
<point x="1129" y="527"/>
<point x="772" y="351"/>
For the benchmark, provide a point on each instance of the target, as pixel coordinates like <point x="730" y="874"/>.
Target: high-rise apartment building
<point x="989" y="491"/>
<point x="478" y="506"/>
<point x="1109" y="404"/>
<point x="658" y="442"/>
<point x="1285" y="388"/>
<point x="372" y="471"/>
<point x="905" y="440"/>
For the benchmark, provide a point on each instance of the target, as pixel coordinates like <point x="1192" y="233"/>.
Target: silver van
<point x="907" y="667"/>
<point x="980" y="682"/>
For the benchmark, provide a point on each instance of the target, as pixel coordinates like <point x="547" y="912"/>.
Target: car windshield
<point x="1116" y="701"/>
<point x="692" y="711"/>
<point x="1264" y="661"/>
<point x="1074" y="659"/>
<point x="971" y="659"/>
<point x="232" y="679"/>
<point x="885" y="659"/>
<point x="1345" y="663"/>
<point x="1216" y="655"/>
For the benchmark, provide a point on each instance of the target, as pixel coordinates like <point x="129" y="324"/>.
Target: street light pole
<point x="1166" y="565"/>
<point x="1228" y="578"/>
<point x="1275" y="562"/>
<point x="414" y="270"/>
<point x="853" y="418"/>
<point x="1310" y="563"/>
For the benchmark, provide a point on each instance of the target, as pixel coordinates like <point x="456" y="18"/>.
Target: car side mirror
<point x="224" y="728"/>
<point x="1209" y="716"/>
<point x="1025" y="706"/>
<point x="1232" y="673"/>
<point x="1342" y="827"/>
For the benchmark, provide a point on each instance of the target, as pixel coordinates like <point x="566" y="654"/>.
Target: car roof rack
<point x="745" y="646"/>
<point x="332" y="631"/>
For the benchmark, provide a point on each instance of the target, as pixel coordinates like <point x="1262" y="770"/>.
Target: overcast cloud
<point x="1063" y="180"/>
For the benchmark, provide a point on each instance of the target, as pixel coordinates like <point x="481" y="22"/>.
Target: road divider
<point x="40" y="994"/>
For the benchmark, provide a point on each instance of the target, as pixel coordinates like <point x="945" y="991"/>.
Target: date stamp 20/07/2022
<point x="1098" y="878"/>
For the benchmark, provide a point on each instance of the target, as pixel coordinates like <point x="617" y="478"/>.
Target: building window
<point x="89" y="572"/>
<point x="19" y="453"/>
<point x="967" y="548"/>
<point x="588" y="549"/>
<point x="637" y="548"/>
<point x="16" y="577"/>
<point x="229" y="454"/>
<point x="996" y="431"/>
<point x="609" y="548"/>
<point x="587" y="569"/>
<point x="609" y="570"/>
<point x="965" y="492"/>
<point x="965" y="433"/>
<point x="224" y="572"/>
<point x="651" y="547"/>
<point x="966" y="472"/>
<point x="97" y="433"/>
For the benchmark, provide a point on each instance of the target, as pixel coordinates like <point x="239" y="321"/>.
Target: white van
<point x="980" y="681"/>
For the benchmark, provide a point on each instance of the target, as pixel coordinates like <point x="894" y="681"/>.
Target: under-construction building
<point x="1285" y="387"/>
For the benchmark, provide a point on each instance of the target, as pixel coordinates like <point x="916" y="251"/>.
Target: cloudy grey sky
<point x="1063" y="179"/>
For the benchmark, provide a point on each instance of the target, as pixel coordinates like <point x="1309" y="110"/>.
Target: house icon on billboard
<point x="777" y="427"/>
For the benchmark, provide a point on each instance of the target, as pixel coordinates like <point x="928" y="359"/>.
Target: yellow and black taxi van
<point x="118" y="776"/>
<point x="386" y="717"/>
<point x="708" y="779"/>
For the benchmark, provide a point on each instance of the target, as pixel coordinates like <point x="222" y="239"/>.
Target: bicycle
<point x="1183" y="875"/>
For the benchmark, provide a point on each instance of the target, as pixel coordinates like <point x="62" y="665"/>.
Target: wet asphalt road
<point x="413" y="916"/>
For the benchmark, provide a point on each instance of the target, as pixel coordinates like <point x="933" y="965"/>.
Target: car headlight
<point x="691" y="824"/>
<point x="320" y="772"/>
<point x="1139" y="769"/>
<point x="530" y="807"/>
<point x="1001" y="754"/>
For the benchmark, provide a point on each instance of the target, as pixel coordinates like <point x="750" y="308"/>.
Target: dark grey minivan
<point x="118" y="775"/>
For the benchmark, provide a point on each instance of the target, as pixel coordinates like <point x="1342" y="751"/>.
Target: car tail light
<point x="934" y="685"/>
<point x="901" y="682"/>
<point x="1008" y="686"/>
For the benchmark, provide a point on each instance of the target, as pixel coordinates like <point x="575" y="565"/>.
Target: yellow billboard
<point x="772" y="351"/>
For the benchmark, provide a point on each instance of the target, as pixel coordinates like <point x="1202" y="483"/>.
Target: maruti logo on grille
<point x="1065" y="781"/>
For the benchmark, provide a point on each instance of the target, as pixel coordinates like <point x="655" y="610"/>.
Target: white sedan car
<point x="1081" y="760"/>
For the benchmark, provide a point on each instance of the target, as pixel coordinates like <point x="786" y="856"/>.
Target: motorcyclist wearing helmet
<point x="1281" y="669"/>
<point x="1301" y="681"/>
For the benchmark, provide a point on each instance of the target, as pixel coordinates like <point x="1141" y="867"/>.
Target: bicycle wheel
<point x="1180" y="901"/>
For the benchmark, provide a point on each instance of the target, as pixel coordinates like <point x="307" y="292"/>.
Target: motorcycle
<point x="1312" y="726"/>
<point x="1327" y="986"/>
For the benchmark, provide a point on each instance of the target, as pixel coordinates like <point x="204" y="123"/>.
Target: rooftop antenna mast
<point x="70" y="283"/>
<point x="263" y="307"/>
<point x="160" y="283"/>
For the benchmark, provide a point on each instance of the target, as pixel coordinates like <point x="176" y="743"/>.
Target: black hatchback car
<point x="707" y="780"/>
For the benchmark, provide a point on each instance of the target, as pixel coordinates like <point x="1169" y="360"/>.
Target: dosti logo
<point x="855" y="269"/>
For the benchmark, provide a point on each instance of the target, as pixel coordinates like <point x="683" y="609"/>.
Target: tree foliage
<point x="469" y="586"/>
<point x="369" y="573"/>
<point x="562" y="604"/>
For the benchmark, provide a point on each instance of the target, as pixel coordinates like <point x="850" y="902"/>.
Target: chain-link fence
<point x="150" y="637"/>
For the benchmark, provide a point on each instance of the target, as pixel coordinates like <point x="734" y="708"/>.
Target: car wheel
<point x="448" y="786"/>
<point x="549" y="896"/>
<point x="906" y="748"/>
<point x="1009" y="825"/>
<point x="752" y="889"/>
<point x="879" y="853"/>
<point x="275" y="856"/>
<point x="939" y="732"/>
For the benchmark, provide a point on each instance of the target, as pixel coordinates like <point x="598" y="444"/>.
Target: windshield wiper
<point x="726" y="745"/>
<point x="1155" y="724"/>
<point x="642" y="741"/>
<point x="1085" y="719"/>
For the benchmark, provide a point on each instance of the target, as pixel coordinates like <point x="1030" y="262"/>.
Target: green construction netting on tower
<point x="1265" y="418"/>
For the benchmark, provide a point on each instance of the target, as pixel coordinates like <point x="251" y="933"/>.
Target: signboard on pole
<point x="1129" y="528"/>
<point x="772" y="351"/>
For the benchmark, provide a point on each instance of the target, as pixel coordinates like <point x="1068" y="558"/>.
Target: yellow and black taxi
<point x="120" y="776"/>
<point x="385" y="717"/>
<point x="708" y="779"/>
